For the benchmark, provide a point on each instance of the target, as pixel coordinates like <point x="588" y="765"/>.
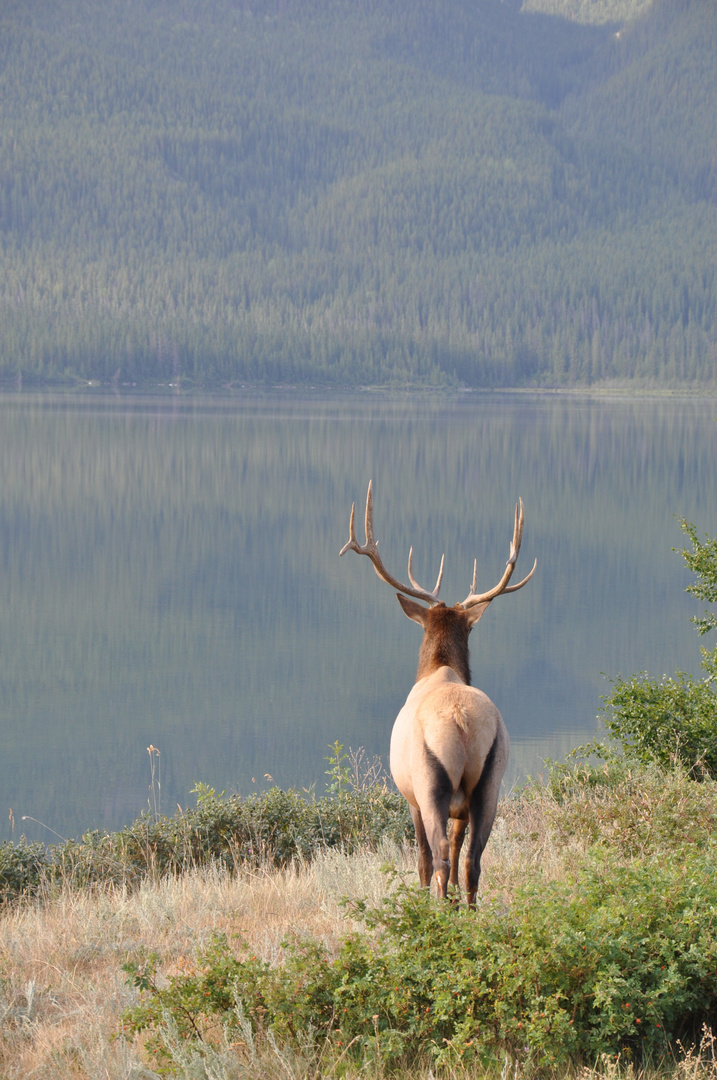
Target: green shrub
<point x="674" y="719"/>
<point x="618" y="960"/>
<point x="634" y="810"/>
<point x="21" y="866"/>
<point x="667" y="720"/>
<point x="273" y="827"/>
<point x="702" y="561"/>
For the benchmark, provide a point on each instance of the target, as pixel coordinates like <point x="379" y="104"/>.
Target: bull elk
<point x="449" y="745"/>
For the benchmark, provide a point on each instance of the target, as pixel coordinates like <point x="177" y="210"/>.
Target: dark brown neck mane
<point x="445" y="642"/>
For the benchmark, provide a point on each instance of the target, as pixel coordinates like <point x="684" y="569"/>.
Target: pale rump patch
<point x="450" y="710"/>
<point x="459" y="715"/>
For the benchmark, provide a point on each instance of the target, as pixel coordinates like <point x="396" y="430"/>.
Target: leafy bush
<point x="674" y="719"/>
<point x="272" y="827"/>
<point x="618" y="960"/>
<point x="667" y="720"/>
<point x="21" y="866"/>
<point x="638" y="811"/>
<point x="702" y="561"/>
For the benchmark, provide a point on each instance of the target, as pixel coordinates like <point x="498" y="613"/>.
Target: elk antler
<point x="473" y="597"/>
<point x="370" y="548"/>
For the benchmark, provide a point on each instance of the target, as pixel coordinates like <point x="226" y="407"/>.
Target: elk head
<point x="446" y="629"/>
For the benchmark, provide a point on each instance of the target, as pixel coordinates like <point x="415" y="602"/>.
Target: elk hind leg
<point x="458" y="832"/>
<point x="483" y="806"/>
<point x="425" y="856"/>
<point x="435" y="806"/>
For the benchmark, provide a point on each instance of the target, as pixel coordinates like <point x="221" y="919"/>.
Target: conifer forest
<point x="458" y="193"/>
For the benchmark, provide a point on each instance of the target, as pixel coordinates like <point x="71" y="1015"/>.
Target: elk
<point x="449" y="745"/>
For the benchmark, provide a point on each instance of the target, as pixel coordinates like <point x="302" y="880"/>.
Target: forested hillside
<point x="405" y="192"/>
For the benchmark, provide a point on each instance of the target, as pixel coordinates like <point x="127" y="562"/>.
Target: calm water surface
<point x="169" y="576"/>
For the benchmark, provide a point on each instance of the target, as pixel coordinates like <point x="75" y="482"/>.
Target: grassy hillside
<point x="356" y="193"/>
<point x="591" y="953"/>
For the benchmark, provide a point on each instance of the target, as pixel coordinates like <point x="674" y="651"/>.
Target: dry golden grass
<point x="62" y="987"/>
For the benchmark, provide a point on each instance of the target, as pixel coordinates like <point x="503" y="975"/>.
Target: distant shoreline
<point x="97" y="388"/>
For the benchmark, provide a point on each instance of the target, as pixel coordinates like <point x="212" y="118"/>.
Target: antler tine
<point x="516" y="544"/>
<point x="370" y="548"/>
<point x="526" y="579"/>
<point x="369" y="513"/>
<point x="474" y="598"/>
<point x="517" y="531"/>
<point x="352" y="543"/>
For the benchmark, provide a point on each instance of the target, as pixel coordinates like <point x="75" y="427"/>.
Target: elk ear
<point x="474" y="613"/>
<point x="413" y="610"/>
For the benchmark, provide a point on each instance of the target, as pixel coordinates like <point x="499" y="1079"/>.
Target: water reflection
<point x="169" y="576"/>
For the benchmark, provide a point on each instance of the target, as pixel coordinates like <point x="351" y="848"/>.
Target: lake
<point x="170" y="578"/>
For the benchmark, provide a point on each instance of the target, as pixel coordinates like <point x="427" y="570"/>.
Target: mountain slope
<point x="434" y="193"/>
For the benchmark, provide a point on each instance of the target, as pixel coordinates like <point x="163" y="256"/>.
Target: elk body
<point x="449" y="745"/>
